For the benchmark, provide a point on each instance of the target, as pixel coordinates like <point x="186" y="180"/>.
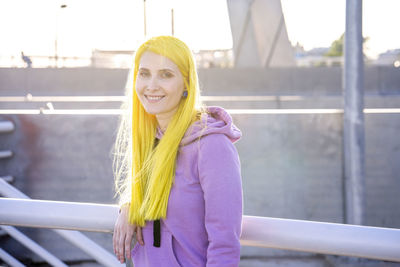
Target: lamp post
<point x="144" y="18"/>
<point x="353" y="121"/>
<point x="172" y="22"/>
<point x="56" y="40"/>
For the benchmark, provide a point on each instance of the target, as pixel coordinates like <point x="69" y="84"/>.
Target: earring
<point x="185" y="94"/>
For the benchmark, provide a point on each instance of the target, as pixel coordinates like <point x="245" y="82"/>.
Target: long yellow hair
<point x="143" y="174"/>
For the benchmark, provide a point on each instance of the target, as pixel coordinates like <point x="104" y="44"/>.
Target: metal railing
<point x="76" y="238"/>
<point x="10" y="260"/>
<point x="307" y="236"/>
<point x="33" y="246"/>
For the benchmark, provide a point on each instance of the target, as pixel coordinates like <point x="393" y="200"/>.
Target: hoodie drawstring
<point x="156" y="233"/>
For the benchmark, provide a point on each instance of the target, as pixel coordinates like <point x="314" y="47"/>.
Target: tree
<point x="336" y="49"/>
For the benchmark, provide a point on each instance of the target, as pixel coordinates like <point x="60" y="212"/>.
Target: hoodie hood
<point x="214" y="120"/>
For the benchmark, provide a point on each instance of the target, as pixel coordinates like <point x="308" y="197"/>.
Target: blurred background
<point x="276" y="65"/>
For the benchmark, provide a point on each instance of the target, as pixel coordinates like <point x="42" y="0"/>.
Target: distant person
<point x="27" y="60"/>
<point x="177" y="170"/>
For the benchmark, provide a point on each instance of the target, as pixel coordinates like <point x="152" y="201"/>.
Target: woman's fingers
<point x="128" y="242"/>
<point x="139" y="235"/>
<point x="121" y="248"/>
<point x="114" y="243"/>
<point x="123" y="235"/>
<point x="116" y="235"/>
<point x="118" y="245"/>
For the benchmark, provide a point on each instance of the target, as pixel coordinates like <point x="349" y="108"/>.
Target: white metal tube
<point x="78" y="239"/>
<point x="324" y="238"/>
<point x="5" y="154"/>
<point x="58" y="214"/>
<point x="6" y="126"/>
<point x="29" y="243"/>
<point x="10" y="260"/>
<point x="7" y="190"/>
<point x="308" y="236"/>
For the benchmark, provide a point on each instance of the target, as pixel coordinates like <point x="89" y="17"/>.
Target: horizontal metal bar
<point x="231" y="111"/>
<point x="323" y="238"/>
<point x="58" y="214"/>
<point x="308" y="236"/>
<point x="224" y="98"/>
<point x="283" y="111"/>
<point x="5" y="154"/>
<point x="61" y="111"/>
<point x="10" y="260"/>
<point x="6" y="126"/>
<point x="33" y="246"/>
<point x="255" y="98"/>
<point x="30" y="98"/>
<point x="381" y="110"/>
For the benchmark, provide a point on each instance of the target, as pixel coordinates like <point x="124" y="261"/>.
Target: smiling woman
<point x="176" y="168"/>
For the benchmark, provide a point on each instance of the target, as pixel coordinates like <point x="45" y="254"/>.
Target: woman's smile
<point x="154" y="98"/>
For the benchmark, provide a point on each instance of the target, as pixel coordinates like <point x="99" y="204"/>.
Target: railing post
<point x="10" y="260"/>
<point x="31" y="245"/>
<point x="353" y="124"/>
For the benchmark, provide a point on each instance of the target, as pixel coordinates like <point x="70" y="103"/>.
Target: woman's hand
<point x="123" y="235"/>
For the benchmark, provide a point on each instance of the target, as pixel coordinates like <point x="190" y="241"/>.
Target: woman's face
<point x="159" y="85"/>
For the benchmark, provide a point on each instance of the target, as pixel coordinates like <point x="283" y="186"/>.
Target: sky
<point x="33" y="26"/>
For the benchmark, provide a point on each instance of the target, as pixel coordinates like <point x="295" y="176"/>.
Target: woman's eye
<point x="166" y="75"/>
<point x="143" y="74"/>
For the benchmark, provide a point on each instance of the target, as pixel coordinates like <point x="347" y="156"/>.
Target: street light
<point x="56" y="41"/>
<point x="144" y="19"/>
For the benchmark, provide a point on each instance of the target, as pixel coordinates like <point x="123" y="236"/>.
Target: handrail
<point x="308" y="236"/>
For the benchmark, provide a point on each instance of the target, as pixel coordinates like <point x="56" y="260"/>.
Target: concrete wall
<point x="243" y="81"/>
<point x="291" y="164"/>
<point x="64" y="158"/>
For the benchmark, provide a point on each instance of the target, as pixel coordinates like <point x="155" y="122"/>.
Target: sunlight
<point x="40" y="28"/>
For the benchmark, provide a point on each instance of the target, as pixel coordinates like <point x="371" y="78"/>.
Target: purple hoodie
<point x="204" y="214"/>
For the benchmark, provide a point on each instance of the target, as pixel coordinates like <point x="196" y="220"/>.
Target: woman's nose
<point x="153" y="84"/>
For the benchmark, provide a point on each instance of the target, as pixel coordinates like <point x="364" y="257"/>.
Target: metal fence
<point x="298" y="235"/>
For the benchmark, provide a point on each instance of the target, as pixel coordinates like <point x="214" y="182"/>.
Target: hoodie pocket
<point x="172" y="253"/>
<point x="148" y="255"/>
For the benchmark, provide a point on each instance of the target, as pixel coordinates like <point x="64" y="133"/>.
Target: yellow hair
<point x="153" y="169"/>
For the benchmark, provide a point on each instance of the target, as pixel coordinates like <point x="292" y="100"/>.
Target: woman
<point x="184" y="202"/>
